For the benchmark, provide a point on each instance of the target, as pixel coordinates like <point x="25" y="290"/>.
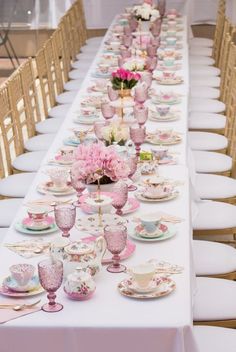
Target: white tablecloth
<point x="109" y="321"/>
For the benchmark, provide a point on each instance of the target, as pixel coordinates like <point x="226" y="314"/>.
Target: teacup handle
<point x="101" y="245"/>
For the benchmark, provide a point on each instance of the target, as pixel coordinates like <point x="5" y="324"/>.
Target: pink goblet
<point x="50" y="277"/>
<point x="120" y="196"/>
<point x="151" y="50"/>
<point x="120" y="61"/>
<point x="116" y="237"/>
<point x="146" y="77"/>
<point x="133" y="23"/>
<point x="108" y="111"/>
<point x="127" y="41"/>
<point x="112" y="93"/>
<point x="98" y="127"/>
<point x="162" y="7"/>
<point x="151" y="63"/>
<point x="65" y="217"/>
<point x="79" y="186"/>
<point x="137" y="135"/>
<point x="125" y="54"/>
<point x="141" y="114"/>
<point x="156" y="41"/>
<point x="141" y="93"/>
<point x="132" y="161"/>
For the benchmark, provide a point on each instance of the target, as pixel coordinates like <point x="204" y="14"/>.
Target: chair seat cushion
<point x="214" y="338"/>
<point x="74" y="84"/>
<point x="16" y="186"/>
<point x="215" y="186"/>
<point x="202" y="70"/>
<point x="201" y="60"/>
<point x="213" y="258"/>
<point x="95" y="40"/>
<point x="202" y="81"/>
<point x="214" y="299"/>
<point x="77" y="74"/>
<point x="59" y="110"/>
<point x="200" y="51"/>
<point x="29" y="162"/>
<point x="66" y="97"/>
<point x="206" y="105"/>
<point x="204" y="92"/>
<point x="41" y="142"/>
<point x="50" y="125"/>
<point x="207" y="141"/>
<point x="214" y="215"/>
<point x="202" y="42"/>
<point x="86" y="56"/>
<point x="8" y="210"/>
<point x="211" y="162"/>
<point x="199" y="120"/>
<point x="82" y="64"/>
<point x="3" y="231"/>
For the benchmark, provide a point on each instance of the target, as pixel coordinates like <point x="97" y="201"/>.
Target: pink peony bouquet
<point x="95" y="162"/>
<point x="128" y="78"/>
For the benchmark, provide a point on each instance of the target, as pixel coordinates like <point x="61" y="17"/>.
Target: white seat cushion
<point x="3" y="231"/>
<point x="213" y="258"/>
<point x="215" y="186"/>
<point x="66" y="97"/>
<point x="82" y="65"/>
<point x="59" y="110"/>
<point x="201" y="60"/>
<point x="29" y="162"/>
<point x="211" y="162"/>
<point x="214" y="215"/>
<point x="86" y="56"/>
<point x="204" y="92"/>
<point x="95" y="40"/>
<point x="202" y="70"/>
<point x="41" y="142"/>
<point x="74" y="84"/>
<point x="77" y="74"/>
<point x="50" y="125"/>
<point x="200" y="51"/>
<point x="16" y="185"/>
<point x="206" y="105"/>
<point x="214" y="338"/>
<point x="8" y="210"/>
<point x="204" y="42"/>
<point x="207" y="141"/>
<point x="214" y="299"/>
<point x="202" y="81"/>
<point x="200" y="120"/>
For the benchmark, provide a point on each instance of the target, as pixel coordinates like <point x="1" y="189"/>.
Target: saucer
<point x="98" y="74"/>
<point x="92" y="101"/>
<point x="169" y="81"/>
<point x="164" y="286"/>
<point x="59" y="159"/>
<point x="169" y="159"/>
<point x="86" y="120"/>
<point x="170" y="196"/>
<point x="48" y="188"/>
<point x="162" y="67"/>
<point x="21" y="228"/>
<point x="30" y="224"/>
<point x="161" y="230"/>
<point x="71" y="141"/>
<point x="171" y="232"/>
<point x="154" y="139"/>
<point x="170" y="116"/>
<point x="150" y="288"/>
<point x="11" y="284"/>
<point x="5" y="291"/>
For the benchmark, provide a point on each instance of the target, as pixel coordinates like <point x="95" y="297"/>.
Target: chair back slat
<point x="219" y="30"/>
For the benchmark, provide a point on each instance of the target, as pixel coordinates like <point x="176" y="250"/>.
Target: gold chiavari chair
<point x="61" y="52"/>
<point x="220" y="21"/>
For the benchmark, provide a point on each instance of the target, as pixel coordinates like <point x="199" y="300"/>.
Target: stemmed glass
<point x="120" y="196"/>
<point x="151" y="63"/>
<point x="141" y="114"/>
<point x="141" y="93"/>
<point x="50" y="277"/>
<point x="137" y="135"/>
<point x="127" y="41"/>
<point x="127" y="30"/>
<point x="79" y="186"/>
<point x="125" y="54"/>
<point x="151" y="50"/>
<point x="112" y="93"/>
<point x="108" y="111"/>
<point x="146" y="77"/>
<point x="65" y="217"/>
<point x="98" y="127"/>
<point x="116" y="237"/>
<point x="132" y="161"/>
<point x="162" y="7"/>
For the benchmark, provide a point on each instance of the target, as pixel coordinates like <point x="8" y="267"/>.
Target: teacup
<point x="150" y="222"/>
<point x="163" y="110"/>
<point x="37" y="214"/>
<point x="101" y="84"/>
<point x="103" y="68"/>
<point x="119" y="28"/>
<point x="58" y="177"/>
<point x="172" y="24"/>
<point x="67" y="153"/>
<point x="142" y="274"/>
<point x="169" y="52"/>
<point x="159" y="154"/>
<point x="115" y="45"/>
<point x="171" y="16"/>
<point x="22" y="273"/>
<point x="169" y="61"/>
<point x="171" y="40"/>
<point x="165" y="134"/>
<point x="171" y="33"/>
<point x="169" y="75"/>
<point x="88" y="111"/>
<point x="173" y="12"/>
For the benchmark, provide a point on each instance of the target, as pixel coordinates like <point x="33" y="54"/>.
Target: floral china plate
<point x="161" y="230"/>
<point x="162" y="138"/>
<point x="94" y="224"/>
<point x="93" y="100"/>
<point x="171" y="116"/>
<point x="107" y="258"/>
<point x="49" y="188"/>
<point x="21" y="228"/>
<point x="5" y="291"/>
<point x="168" y="159"/>
<point x="71" y="141"/>
<point x="169" y="98"/>
<point x="30" y="224"/>
<point x="12" y="285"/>
<point x="164" y="286"/>
<point x="163" y="67"/>
<point x="140" y="235"/>
<point x="86" y="120"/>
<point x="169" y="81"/>
<point x="141" y="196"/>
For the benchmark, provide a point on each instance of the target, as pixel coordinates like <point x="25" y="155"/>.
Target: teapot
<point x="79" y="285"/>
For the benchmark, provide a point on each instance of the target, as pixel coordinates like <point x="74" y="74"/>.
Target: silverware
<point x="18" y="307"/>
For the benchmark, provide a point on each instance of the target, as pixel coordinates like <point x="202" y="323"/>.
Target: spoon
<point x="19" y="306"/>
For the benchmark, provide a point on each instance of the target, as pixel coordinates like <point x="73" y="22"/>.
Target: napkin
<point x="7" y="314"/>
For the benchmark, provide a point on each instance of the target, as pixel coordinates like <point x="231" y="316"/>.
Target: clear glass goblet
<point x="137" y="135"/>
<point x="79" y="186"/>
<point x="50" y="277"/>
<point x="120" y="196"/>
<point x="108" y="111"/>
<point x="132" y="161"/>
<point x="141" y="114"/>
<point x="112" y="93"/>
<point x="116" y="237"/>
<point x="65" y="217"/>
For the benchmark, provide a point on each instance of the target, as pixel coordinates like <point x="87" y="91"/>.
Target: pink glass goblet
<point x="121" y="61"/>
<point x="127" y="41"/>
<point x="151" y="63"/>
<point x="108" y="111"/>
<point x="127" y="30"/>
<point x="141" y="114"/>
<point x="116" y="237"/>
<point x="65" y="217"/>
<point x="137" y="135"/>
<point x="156" y="31"/>
<point x="125" y="54"/>
<point x="50" y="277"/>
<point x="151" y="50"/>
<point x="141" y="93"/>
<point x="146" y="77"/>
<point x="120" y="196"/>
<point x="98" y="128"/>
<point x="132" y="161"/>
<point x="79" y="186"/>
<point x="162" y="7"/>
<point x="156" y="41"/>
<point x="112" y="93"/>
<point x="133" y="23"/>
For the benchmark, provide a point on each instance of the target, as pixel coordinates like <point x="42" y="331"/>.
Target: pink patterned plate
<point x="131" y="205"/>
<point x="5" y="291"/>
<point x="32" y="225"/>
<point x="107" y="259"/>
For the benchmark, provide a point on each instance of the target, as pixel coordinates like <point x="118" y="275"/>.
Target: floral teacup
<point x="58" y="177"/>
<point x="37" y="214"/>
<point x="160" y="153"/>
<point x="169" y="61"/>
<point x="171" y="40"/>
<point x="163" y="110"/>
<point x="22" y="273"/>
<point x="142" y="274"/>
<point x="150" y="222"/>
<point x="168" y="75"/>
<point x="88" y="111"/>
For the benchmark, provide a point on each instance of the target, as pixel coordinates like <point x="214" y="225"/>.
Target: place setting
<point x="167" y="78"/>
<point x="167" y="98"/>
<point x="163" y="113"/>
<point x="87" y="115"/>
<point x="163" y="137"/>
<point x="59" y="183"/>
<point x="64" y="156"/>
<point x="79" y="136"/>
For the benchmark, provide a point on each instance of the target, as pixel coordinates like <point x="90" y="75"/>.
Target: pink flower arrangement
<point x="97" y="162"/>
<point x="128" y="78"/>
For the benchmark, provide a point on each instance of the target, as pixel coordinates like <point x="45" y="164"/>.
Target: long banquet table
<point x="110" y="321"/>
